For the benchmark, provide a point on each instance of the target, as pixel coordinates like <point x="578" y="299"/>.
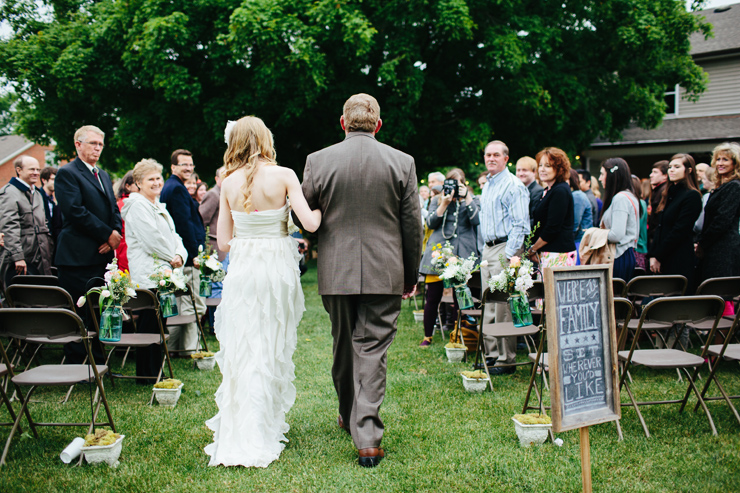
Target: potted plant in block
<point x="455" y="351"/>
<point x="168" y="392"/>
<point x="103" y="446"/>
<point x="204" y="360"/>
<point x="532" y="429"/>
<point x="475" y="381"/>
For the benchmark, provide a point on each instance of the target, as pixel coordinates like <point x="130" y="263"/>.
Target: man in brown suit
<point x="369" y="253"/>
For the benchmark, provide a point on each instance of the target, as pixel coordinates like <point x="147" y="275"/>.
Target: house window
<point x="671" y="101"/>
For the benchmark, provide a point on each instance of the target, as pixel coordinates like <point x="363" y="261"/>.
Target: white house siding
<point x="722" y="96"/>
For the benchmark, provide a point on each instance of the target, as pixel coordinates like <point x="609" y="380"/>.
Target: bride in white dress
<point x="262" y="300"/>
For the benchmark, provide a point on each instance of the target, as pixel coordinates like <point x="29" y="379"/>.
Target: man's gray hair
<point x="436" y="176"/>
<point x="503" y="146"/>
<point x="81" y="133"/>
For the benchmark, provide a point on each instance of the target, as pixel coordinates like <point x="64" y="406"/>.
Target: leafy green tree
<point x="450" y="75"/>
<point x="7" y="119"/>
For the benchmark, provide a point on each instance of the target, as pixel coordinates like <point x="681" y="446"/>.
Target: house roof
<point x="725" y="23"/>
<point x="13" y="145"/>
<point x="725" y="127"/>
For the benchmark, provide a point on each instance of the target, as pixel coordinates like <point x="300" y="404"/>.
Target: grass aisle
<point x="438" y="437"/>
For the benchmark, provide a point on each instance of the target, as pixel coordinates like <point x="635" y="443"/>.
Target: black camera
<point x="450" y="187"/>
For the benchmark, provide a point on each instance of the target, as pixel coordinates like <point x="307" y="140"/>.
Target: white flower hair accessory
<point x="227" y="131"/>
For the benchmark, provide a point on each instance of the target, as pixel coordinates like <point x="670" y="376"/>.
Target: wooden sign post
<point x="582" y="348"/>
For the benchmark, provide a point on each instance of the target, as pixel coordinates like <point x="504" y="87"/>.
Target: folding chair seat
<point x="727" y="288"/>
<point x="144" y="300"/>
<point x="505" y="329"/>
<point x="680" y="309"/>
<point x="641" y="288"/>
<point x="186" y="319"/>
<point x="52" y="323"/>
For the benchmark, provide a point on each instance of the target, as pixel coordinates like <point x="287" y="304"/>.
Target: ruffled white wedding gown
<point x="261" y="305"/>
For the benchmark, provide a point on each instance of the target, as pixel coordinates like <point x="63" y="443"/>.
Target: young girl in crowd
<point x="620" y="215"/>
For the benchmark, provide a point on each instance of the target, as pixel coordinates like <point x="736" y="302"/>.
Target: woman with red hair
<point x="554" y="239"/>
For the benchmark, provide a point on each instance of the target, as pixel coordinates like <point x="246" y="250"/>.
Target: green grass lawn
<point x="438" y="437"/>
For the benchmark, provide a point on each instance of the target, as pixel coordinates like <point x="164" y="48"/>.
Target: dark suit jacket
<point x="185" y="215"/>
<point x="535" y="195"/>
<point x="370" y="235"/>
<point x="53" y="217"/>
<point x="673" y="238"/>
<point x="89" y="215"/>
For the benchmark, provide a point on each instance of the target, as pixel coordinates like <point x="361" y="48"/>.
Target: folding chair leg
<point x="727" y="398"/>
<point x="197" y="321"/>
<point x="123" y="363"/>
<point x="701" y="401"/>
<point x="637" y="408"/>
<point x="17" y="422"/>
<point x="533" y="376"/>
<point x="619" y="431"/>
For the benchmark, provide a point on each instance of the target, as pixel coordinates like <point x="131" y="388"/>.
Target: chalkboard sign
<point x="582" y="346"/>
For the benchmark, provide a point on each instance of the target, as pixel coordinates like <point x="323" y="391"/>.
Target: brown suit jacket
<point x="370" y="236"/>
<point x="209" y="212"/>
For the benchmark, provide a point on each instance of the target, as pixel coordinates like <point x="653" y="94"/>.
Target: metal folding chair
<point x="144" y="300"/>
<point x="727" y="288"/>
<point x="53" y="323"/>
<point x="35" y="280"/>
<point x="504" y="329"/>
<point x="186" y="319"/>
<point x="719" y="353"/>
<point x="618" y="287"/>
<point x="679" y="309"/>
<point x="642" y="288"/>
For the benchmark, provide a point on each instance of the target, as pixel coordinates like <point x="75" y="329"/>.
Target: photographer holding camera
<point x="454" y="220"/>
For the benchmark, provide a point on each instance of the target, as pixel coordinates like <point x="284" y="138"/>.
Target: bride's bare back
<point x="270" y="186"/>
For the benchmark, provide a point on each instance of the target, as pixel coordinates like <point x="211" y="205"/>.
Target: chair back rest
<point x="618" y="287"/>
<point x="490" y="296"/>
<point x="37" y="296"/>
<point x="622" y="315"/>
<point x="683" y="309"/>
<point x="36" y="280"/>
<point x="54" y="323"/>
<point x="726" y="287"/>
<point x="144" y="300"/>
<point x="537" y="291"/>
<point x="656" y="286"/>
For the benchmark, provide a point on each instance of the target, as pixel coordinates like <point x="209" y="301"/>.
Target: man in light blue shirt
<point x="504" y="220"/>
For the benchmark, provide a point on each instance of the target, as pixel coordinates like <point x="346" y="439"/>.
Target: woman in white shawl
<point x="152" y="244"/>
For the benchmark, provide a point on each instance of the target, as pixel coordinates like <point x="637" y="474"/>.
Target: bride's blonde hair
<point x="249" y="141"/>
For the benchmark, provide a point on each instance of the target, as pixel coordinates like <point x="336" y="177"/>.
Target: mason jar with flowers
<point x="515" y="280"/>
<point x="211" y="270"/>
<point x="458" y="272"/>
<point x="167" y="281"/>
<point x="116" y="291"/>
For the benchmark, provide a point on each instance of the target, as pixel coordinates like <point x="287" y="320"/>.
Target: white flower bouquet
<point x="459" y="271"/>
<point x="116" y="291"/>
<point x="169" y="279"/>
<point x="515" y="278"/>
<point x="210" y="267"/>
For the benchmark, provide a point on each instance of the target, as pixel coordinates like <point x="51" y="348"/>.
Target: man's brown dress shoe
<point x="340" y="423"/>
<point x="371" y="457"/>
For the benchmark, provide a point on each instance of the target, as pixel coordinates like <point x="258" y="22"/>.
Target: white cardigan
<point x="150" y="232"/>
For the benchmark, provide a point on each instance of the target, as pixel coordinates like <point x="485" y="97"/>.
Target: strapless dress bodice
<point x="261" y="224"/>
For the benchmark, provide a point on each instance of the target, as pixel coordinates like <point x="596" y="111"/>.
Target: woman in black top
<point x="672" y="250"/>
<point x="554" y="239"/>
<point x="719" y="241"/>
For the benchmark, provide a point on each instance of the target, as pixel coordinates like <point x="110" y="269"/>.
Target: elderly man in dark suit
<point x="189" y="225"/>
<point x="369" y="258"/>
<point x="91" y="222"/>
